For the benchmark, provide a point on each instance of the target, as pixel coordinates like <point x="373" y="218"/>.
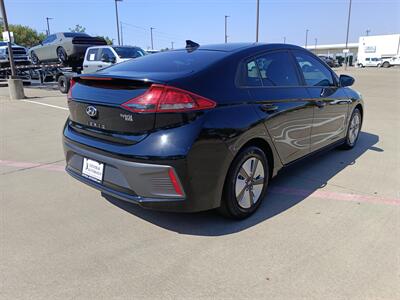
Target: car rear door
<point x="92" y="60"/>
<point x="329" y="100"/>
<point x="274" y="84"/>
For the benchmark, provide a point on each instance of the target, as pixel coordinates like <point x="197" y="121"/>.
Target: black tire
<point x="63" y="84"/>
<point x="62" y="55"/>
<point x="35" y="60"/>
<point x="386" y="64"/>
<point x="230" y="206"/>
<point x="360" y="65"/>
<point x="351" y="141"/>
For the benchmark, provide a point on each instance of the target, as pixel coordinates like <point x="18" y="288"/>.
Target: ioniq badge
<point x="91" y="111"/>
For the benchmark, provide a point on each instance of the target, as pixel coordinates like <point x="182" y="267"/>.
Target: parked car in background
<point x="390" y="61"/>
<point x="333" y="63"/>
<point x="66" y="47"/>
<point x="100" y="57"/>
<point x="207" y="126"/>
<point x="369" y="62"/>
<point x="20" y="55"/>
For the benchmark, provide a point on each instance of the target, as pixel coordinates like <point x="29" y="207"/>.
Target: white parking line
<point x="50" y="105"/>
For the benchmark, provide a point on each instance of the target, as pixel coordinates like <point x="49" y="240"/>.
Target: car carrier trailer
<point x="44" y="73"/>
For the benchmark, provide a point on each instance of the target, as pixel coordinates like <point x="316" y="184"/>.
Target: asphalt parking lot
<point x="328" y="229"/>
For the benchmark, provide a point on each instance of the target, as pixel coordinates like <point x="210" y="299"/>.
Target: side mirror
<point x="346" y="80"/>
<point x="41" y="43"/>
<point x="113" y="60"/>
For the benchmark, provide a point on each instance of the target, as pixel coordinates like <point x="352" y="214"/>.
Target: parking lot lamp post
<point x="257" y="19"/>
<point x="367" y="31"/>
<point x="122" y="35"/>
<point x="347" y="36"/>
<point x="151" y="36"/>
<point x="15" y="85"/>
<point x="172" y="45"/>
<point x="284" y="39"/>
<point x="315" y="45"/>
<point x="116" y="15"/>
<point x="226" y="29"/>
<point x="48" y="25"/>
<point x="307" y="30"/>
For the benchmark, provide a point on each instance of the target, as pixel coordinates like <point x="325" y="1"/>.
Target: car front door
<point x="330" y="102"/>
<point x="281" y="101"/>
<point x="107" y="58"/>
<point x="92" y="60"/>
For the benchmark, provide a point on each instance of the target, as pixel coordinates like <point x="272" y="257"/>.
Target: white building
<point x="374" y="46"/>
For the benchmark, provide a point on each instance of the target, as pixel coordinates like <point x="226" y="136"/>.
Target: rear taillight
<point x="71" y="85"/>
<point x="162" y="98"/>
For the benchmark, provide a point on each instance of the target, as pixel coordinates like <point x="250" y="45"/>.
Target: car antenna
<point x="191" y="46"/>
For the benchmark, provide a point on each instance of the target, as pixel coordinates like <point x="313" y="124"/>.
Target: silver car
<point x="65" y="47"/>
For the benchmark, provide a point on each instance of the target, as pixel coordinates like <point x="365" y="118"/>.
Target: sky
<point x="203" y="20"/>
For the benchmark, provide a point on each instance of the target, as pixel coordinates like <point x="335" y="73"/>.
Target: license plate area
<point x="92" y="170"/>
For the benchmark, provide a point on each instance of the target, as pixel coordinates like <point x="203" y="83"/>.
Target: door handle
<point x="320" y="103"/>
<point x="100" y="66"/>
<point x="269" y="107"/>
<point x="85" y="66"/>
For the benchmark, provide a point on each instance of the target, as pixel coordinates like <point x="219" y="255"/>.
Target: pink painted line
<point x="321" y="194"/>
<point x="29" y="165"/>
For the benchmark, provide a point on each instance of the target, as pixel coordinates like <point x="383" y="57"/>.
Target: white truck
<point x="100" y="57"/>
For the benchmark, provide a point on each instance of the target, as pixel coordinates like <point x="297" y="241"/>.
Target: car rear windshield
<point x="171" y="61"/>
<point x="75" y="34"/>
<point x="129" y="52"/>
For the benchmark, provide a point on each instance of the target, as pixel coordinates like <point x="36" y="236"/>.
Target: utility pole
<point x="15" y="85"/>
<point x="347" y="36"/>
<point x="122" y="35"/>
<point x="367" y="31"/>
<point x="151" y="35"/>
<point x="226" y="29"/>
<point x="315" y="45"/>
<point x="257" y="19"/>
<point x="116" y="15"/>
<point x="284" y="39"/>
<point x="307" y="30"/>
<point x="48" y="25"/>
<point x="172" y="45"/>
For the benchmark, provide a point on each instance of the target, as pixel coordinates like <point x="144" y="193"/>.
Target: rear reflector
<point x="162" y="98"/>
<point x="175" y="182"/>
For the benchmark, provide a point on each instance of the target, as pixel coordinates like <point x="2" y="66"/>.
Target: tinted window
<point x="49" y="39"/>
<point x="271" y="69"/>
<point x="129" y="52"/>
<point x="314" y="72"/>
<point x="106" y="51"/>
<point x="92" y="54"/>
<point x="171" y="61"/>
<point x="276" y="69"/>
<point x="252" y="77"/>
<point x="74" y="34"/>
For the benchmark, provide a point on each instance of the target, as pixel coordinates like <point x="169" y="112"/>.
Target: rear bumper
<point x="147" y="185"/>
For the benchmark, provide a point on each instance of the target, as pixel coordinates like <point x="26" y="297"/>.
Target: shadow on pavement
<point x="308" y="175"/>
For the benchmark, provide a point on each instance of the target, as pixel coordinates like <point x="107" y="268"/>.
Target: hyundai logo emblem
<point x="91" y="111"/>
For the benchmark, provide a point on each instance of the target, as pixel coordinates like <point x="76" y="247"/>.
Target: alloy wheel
<point x="354" y="128"/>
<point x="249" y="182"/>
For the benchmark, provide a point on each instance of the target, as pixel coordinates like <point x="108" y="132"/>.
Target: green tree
<point x="25" y="36"/>
<point x="78" y="28"/>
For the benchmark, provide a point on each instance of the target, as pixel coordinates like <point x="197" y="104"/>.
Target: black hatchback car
<point x="207" y="126"/>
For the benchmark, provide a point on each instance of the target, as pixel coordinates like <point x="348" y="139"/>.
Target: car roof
<point x="235" y="47"/>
